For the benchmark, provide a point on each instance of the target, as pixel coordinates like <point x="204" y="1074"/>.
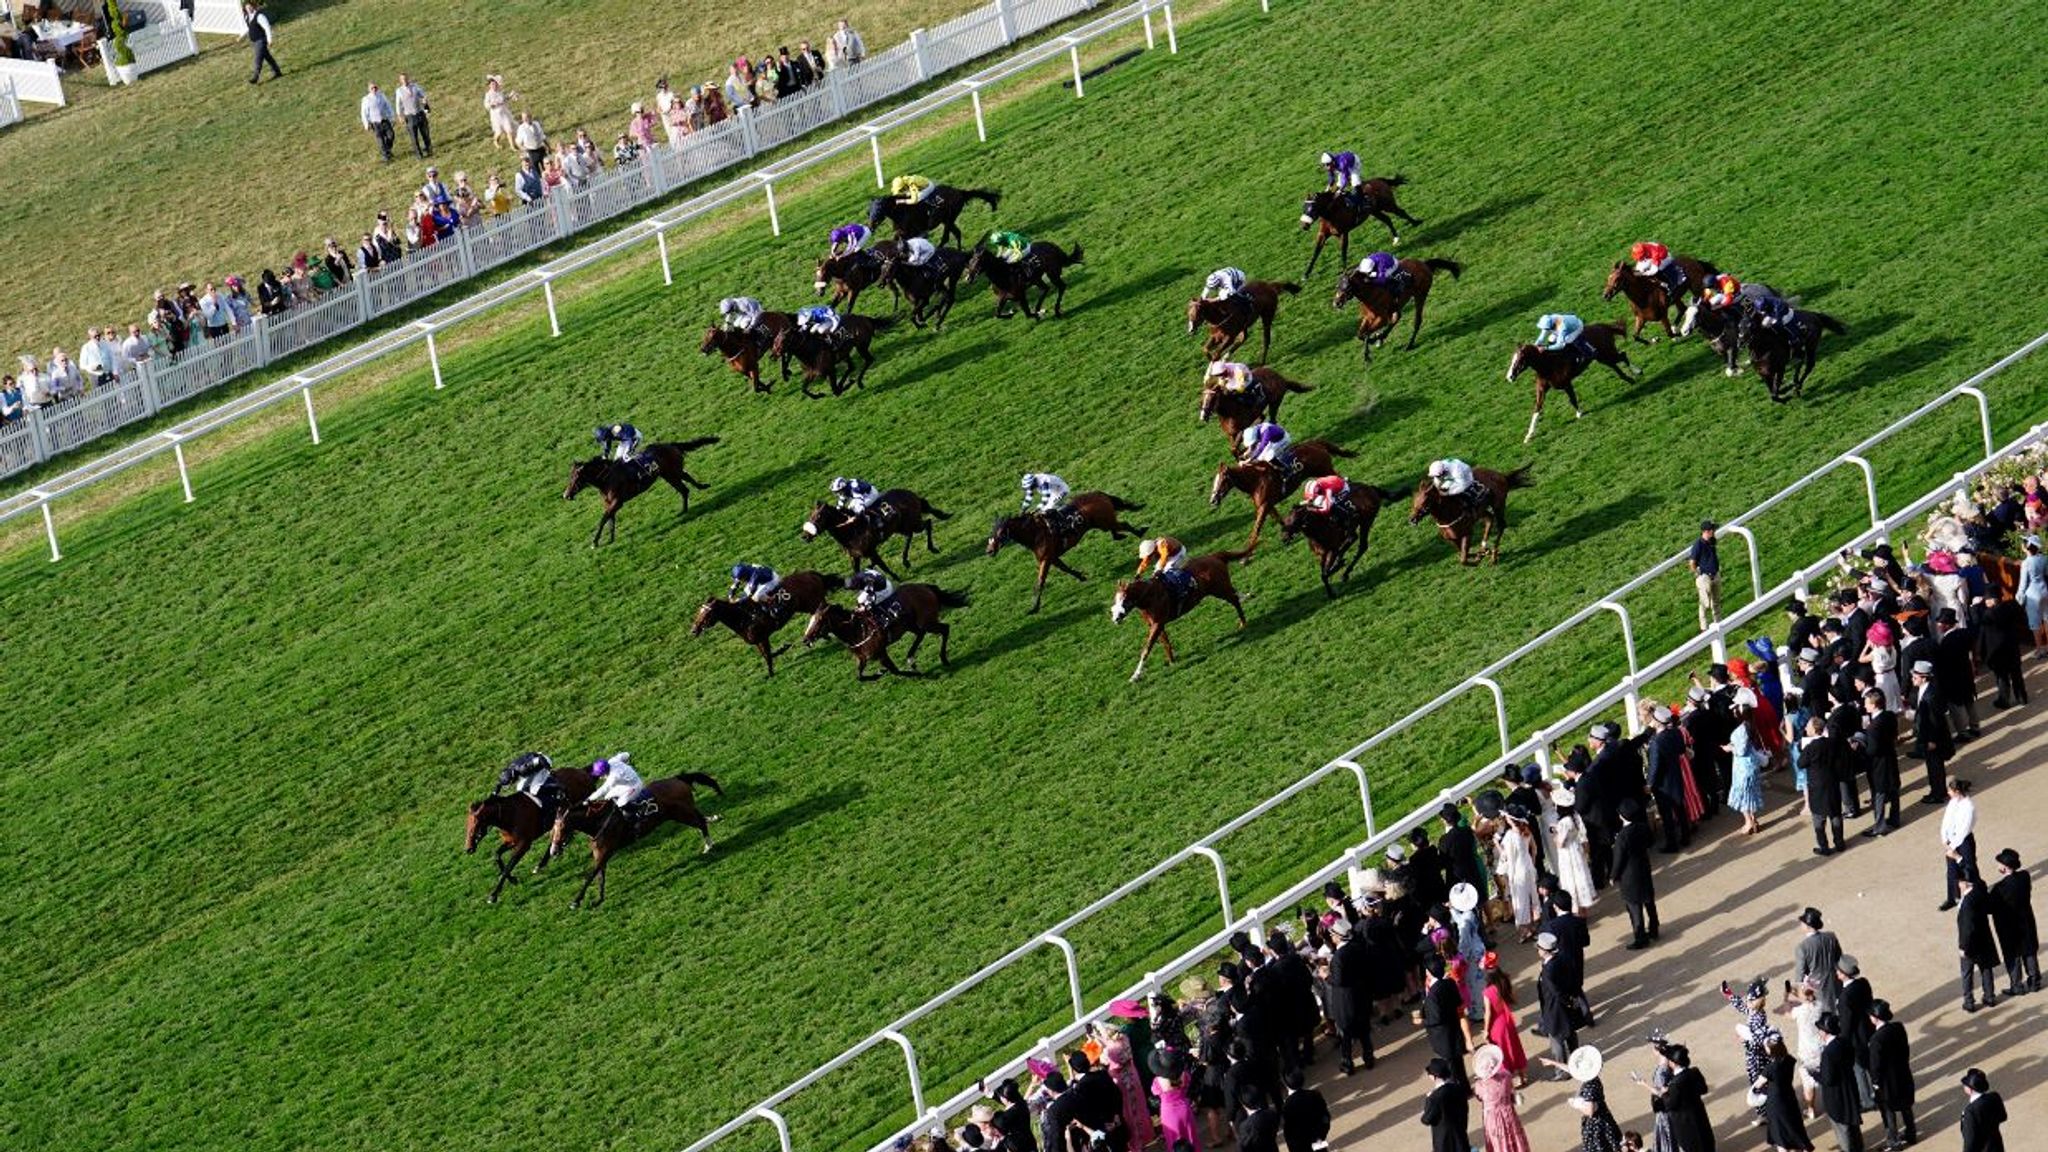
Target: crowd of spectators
<point x="193" y="316"/>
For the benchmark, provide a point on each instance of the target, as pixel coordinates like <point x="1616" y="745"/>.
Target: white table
<point x="60" y="36"/>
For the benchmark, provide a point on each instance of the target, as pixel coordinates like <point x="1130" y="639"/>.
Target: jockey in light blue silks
<point x="818" y="320"/>
<point x="849" y="238"/>
<point x="1557" y="331"/>
<point x="853" y="493"/>
<point x="1341" y="172"/>
<point x="756" y="582"/>
<point x="1043" y="492"/>
<point x="1264" y="443"/>
<point x="1379" y="268"/>
<point x="1223" y="283"/>
<point x="619" y="441"/>
<point x="738" y="313"/>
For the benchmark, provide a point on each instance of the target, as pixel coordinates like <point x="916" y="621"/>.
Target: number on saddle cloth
<point x="888" y="614"/>
<point x="1288" y="465"/>
<point x="1063" y="520"/>
<point x="1581" y="353"/>
<point x="1400" y="282"/>
<point x="1673" y="279"/>
<point x="641" y="813"/>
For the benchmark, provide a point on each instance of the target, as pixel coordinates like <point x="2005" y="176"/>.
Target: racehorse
<point x="799" y="594"/>
<point x="1331" y="534"/>
<point x="620" y="480"/>
<point x="823" y="357"/>
<point x="940" y="210"/>
<point x="1721" y="326"/>
<point x="1236" y="411"/>
<point x="896" y="512"/>
<point x="744" y="351"/>
<point x="520" y="820"/>
<point x="931" y="286"/>
<point x="1793" y="345"/>
<point x="1456" y="517"/>
<point x="1379" y="306"/>
<point x="914" y="609"/>
<point x="1650" y="298"/>
<point x="1557" y="368"/>
<point x="1230" y="319"/>
<point x="1043" y="267"/>
<point x="851" y="273"/>
<point x="1268" y="485"/>
<point x="1169" y="597"/>
<point x="1051" y="535"/>
<point x="1339" y="212"/>
<point x="610" y="829"/>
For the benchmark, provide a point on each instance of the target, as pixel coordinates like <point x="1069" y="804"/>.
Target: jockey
<point x="1011" y="247"/>
<point x="848" y="239"/>
<point x="1559" y="330"/>
<point x="1773" y="310"/>
<point x="1722" y="291"/>
<point x="1163" y="553"/>
<point x="911" y="189"/>
<point x="1323" y="493"/>
<point x="1651" y="257"/>
<point x="1222" y="284"/>
<point x="853" y="493"/>
<point x="1379" y="267"/>
<point x="1043" y="492"/>
<point x="918" y="251"/>
<point x="873" y="589"/>
<point x="528" y="773"/>
<point x="738" y="313"/>
<point x="620" y="440"/>
<point x="621" y="785"/>
<point x="1264" y="443"/>
<point x="818" y="320"/>
<point x="1452" y="477"/>
<point x="756" y="582"/>
<point x="1341" y="172"/>
<point x="1229" y="375"/>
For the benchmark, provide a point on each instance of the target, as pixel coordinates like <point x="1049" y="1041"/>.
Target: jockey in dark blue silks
<point x="1774" y="311"/>
<point x="529" y="773"/>
<point x="756" y="582"/>
<point x="818" y="320"/>
<point x="873" y="590"/>
<point x="619" y="441"/>
<point x="853" y="493"/>
<point x="1223" y="283"/>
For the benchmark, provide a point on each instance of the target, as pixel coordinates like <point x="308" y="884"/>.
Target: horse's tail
<point x="1391" y="493"/>
<point x="701" y="778"/>
<point x="1242" y="554"/>
<point x="882" y="323"/>
<point x="1519" y="478"/>
<point x="947" y="599"/>
<point x="1339" y="453"/>
<point x="1291" y="287"/>
<point x="990" y="196"/>
<point x="1396" y="180"/>
<point x="1443" y="265"/>
<point x="1123" y="505"/>
<point x="693" y="445"/>
<point x="1287" y="385"/>
<point x="1829" y="322"/>
<point x="1073" y="257"/>
<point x="932" y="510"/>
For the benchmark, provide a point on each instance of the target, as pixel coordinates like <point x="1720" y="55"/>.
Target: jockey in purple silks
<point x="849" y="238"/>
<point x="1342" y="172"/>
<point x="1264" y="443"/>
<point x="1379" y="267"/>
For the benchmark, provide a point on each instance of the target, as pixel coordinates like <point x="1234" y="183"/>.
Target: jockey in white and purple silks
<point x="756" y="582"/>
<point x="1379" y="267"/>
<point x="1264" y="443"/>
<point x="848" y="239"/>
<point x="1342" y="172"/>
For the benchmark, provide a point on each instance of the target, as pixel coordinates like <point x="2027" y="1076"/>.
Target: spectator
<point x="845" y="48"/>
<point x="136" y="347"/>
<point x="339" y="267"/>
<point x="1975" y="944"/>
<point x="35" y="393"/>
<point x="445" y="220"/>
<point x="717" y="109"/>
<point x="1958" y="838"/>
<point x="420" y="231"/>
<point x="1817" y="959"/>
<point x="1678" y="1099"/>
<point x="496" y="101"/>
<point x="270" y="298"/>
<point x="62" y="376"/>
<point x="257" y="31"/>
<point x="640" y="124"/>
<point x="1304" y="1117"/>
<point x="1891" y="1076"/>
<point x="10" y="400"/>
<point x="95" y="359"/>
<point x="551" y="177"/>
<point x="386" y="234"/>
<point x="2012" y="914"/>
<point x="1494" y="1086"/>
<point x="586" y="149"/>
<point x="1840" y="1099"/>
<point x="434" y="190"/>
<point x="376" y="115"/>
<point x="1784" y="1122"/>
<point x="1983" y="1114"/>
<point x="529" y="184"/>
<point x="237" y="297"/>
<point x="366" y="253"/>
<point x="467" y="205"/>
<point x="531" y="140"/>
<point x="2000" y="625"/>
<point x="412" y="105"/>
<point x="299" y="281"/>
<point x="1931" y="736"/>
<point x="693" y="108"/>
<point x="624" y="151"/>
<point x="788" y="80"/>
<point x="739" y="84"/>
<point x="497" y="198"/>
<point x="676" y="120"/>
<point x="765" y="88"/>
<point x="1443" y="1014"/>
<point x="1955" y="670"/>
<point x="1447" y="1113"/>
<point x="813" y="63"/>
<point x="1824" y="758"/>
<point x="1632" y="875"/>
<point x="1258" y="1130"/>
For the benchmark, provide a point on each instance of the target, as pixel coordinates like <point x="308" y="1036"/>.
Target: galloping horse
<point x="620" y="480"/>
<point x="1051" y="535"/>
<point x="1557" y="368"/>
<point x="1721" y="326"/>
<point x="851" y="273"/>
<point x="1340" y="212"/>
<point x="1456" y="517"/>
<point x="799" y="594"/>
<point x="744" y="351"/>
<point x="1044" y="267"/>
<point x="1650" y="298"/>
<point x="1168" y="598"/>
<point x="1331" y="534"/>
<point x="1775" y="348"/>
<point x="940" y="211"/>
<point x="823" y="357"/>
<point x="520" y="820"/>
<point x="896" y="512"/>
<point x="1230" y="319"/>
<point x="914" y="609"/>
<point x="1379" y="306"/>
<point x="931" y="286"/>
<point x="1236" y="411"/>
<point x="1268" y="485"/>
<point x="611" y="830"/>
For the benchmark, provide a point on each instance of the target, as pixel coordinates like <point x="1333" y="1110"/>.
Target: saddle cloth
<point x="1673" y="279"/>
<point x="641" y="467"/>
<point x="549" y="801"/>
<point x="878" y="514"/>
<point x="1064" y="520"/>
<point x="1179" y="584"/>
<point x="1289" y="467"/>
<point x="1581" y="353"/>
<point x="1400" y="282"/>
<point x="889" y="614"/>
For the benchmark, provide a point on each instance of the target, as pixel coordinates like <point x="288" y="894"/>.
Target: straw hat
<point x="1486" y="1060"/>
<point x="1584" y="1063"/>
<point x="1464" y="897"/>
<point x="981" y="1114"/>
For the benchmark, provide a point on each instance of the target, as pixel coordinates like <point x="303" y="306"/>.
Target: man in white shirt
<point x="530" y="139"/>
<point x="376" y="113"/>
<point x="846" y="47"/>
<point x="412" y="104"/>
<point x="136" y="348"/>
<point x="99" y="368"/>
<point x="1958" y="836"/>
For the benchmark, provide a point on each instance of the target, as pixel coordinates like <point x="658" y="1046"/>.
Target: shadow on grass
<point x="1373" y="416"/>
<point x="1522" y="303"/>
<point x="751" y="486"/>
<point x="1911" y="358"/>
<point x="1036" y="627"/>
<point x="1588" y="523"/>
<point x="1151" y="281"/>
<point x="749" y="829"/>
<point x="1451" y="227"/>
<point x="345" y="54"/>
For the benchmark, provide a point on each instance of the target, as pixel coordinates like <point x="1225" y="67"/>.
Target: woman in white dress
<point x="496" y="102"/>
<point x="1574" y="870"/>
<point x="1515" y="852"/>
<point x="1880" y="653"/>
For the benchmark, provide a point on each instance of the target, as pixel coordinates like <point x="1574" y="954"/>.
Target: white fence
<point x="1205" y="853"/>
<point x="158" y="44"/>
<point x="663" y="170"/>
<point x="10" y="110"/>
<point x="35" y="81"/>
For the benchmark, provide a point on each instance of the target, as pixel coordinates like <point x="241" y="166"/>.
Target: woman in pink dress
<point x="1491" y="1083"/>
<point x="1172" y="1084"/>
<point x="1500" y="1021"/>
<point x="1137" y="1109"/>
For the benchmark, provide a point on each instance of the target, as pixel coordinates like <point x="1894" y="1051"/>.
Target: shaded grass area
<point x="241" y="916"/>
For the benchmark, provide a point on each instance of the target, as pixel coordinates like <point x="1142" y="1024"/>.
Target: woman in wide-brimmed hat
<point x="1494" y="1085"/>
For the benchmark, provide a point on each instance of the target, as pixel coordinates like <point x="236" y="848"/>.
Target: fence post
<point x="835" y="83"/>
<point x="917" y="52"/>
<point x="152" y="401"/>
<point x="1007" y="20"/>
<point x="363" y="297"/>
<point x="1172" y="39"/>
<point x="1074" y="53"/>
<point x="41" y="435"/>
<point x="748" y="140"/>
<point x="262" y="327"/>
<point x="468" y="258"/>
<point x="560" y="210"/>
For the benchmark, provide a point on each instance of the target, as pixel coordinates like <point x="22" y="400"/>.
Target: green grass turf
<point x="192" y="174"/>
<point x="244" y="730"/>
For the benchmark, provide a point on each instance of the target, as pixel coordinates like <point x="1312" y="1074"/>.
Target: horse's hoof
<point x="490" y="899"/>
<point x="706" y="851"/>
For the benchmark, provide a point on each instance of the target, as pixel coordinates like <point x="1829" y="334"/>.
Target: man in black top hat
<point x="1816" y="960"/>
<point x="1891" y="1076"/>
<point x="1460" y="850"/>
<point x="1349" y="991"/>
<point x="1974" y="942"/>
<point x="1448" y="1111"/>
<point x="2012" y="914"/>
<point x="1632" y="875"/>
<point x="1304" y="1116"/>
<point x="1930" y="731"/>
<point x="1443" y="1016"/>
<point x="1955" y="670"/>
<point x="1804" y="627"/>
<point x="1881" y="750"/>
<point x="1983" y="1114"/>
<point x="1839" y="1096"/>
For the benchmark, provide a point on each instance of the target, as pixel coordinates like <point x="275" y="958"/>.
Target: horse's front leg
<point x="1038" y="594"/>
<point x="1542" y="389"/>
<point x="593" y="874"/>
<point x="1636" y="332"/>
<point x="1153" y="632"/>
<point x="1323" y="567"/>
<point x="1357" y="553"/>
<point x="1314" y="254"/>
<point x="910" y="655"/>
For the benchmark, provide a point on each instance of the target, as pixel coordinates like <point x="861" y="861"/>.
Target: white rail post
<point x="1718" y="644"/>
<point x="547" y="289"/>
<point x="1073" y="973"/>
<point x="1172" y="40"/>
<point x="909" y="1059"/>
<point x="312" y="421"/>
<point x="1222" y="879"/>
<point x="1006" y="21"/>
<point x="1364" y="797"/>
<point x="1074" y="54"/>
<point x="1869" y="490"/>
<point x="1631" y="701"/>
<point x="1146" y="15"/>
<point x="1500" y="711"/>
<point x="924" y="71"/>
<point x="1756" y="569"/>
<point x="774" y="217"/>
<point x="50" y="529"/>
<point x="974" y="97"/>
<point x="1983" y="416"/>
<point x="661" y="242"/>
<point x="433" y="354"/>
<point x="1542" y="742"/>
<point x="875" y="146"/>
<point x="1265" y="5"/>
<point x="781" y="1125"/>
<point x="184" y="476"/>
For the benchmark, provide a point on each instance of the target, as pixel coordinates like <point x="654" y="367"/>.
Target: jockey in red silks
<point x="1322" y="493"/>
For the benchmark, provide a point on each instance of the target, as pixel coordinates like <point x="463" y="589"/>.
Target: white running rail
<point x="662" y="170"/>
<point x="1535" y="747"/>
